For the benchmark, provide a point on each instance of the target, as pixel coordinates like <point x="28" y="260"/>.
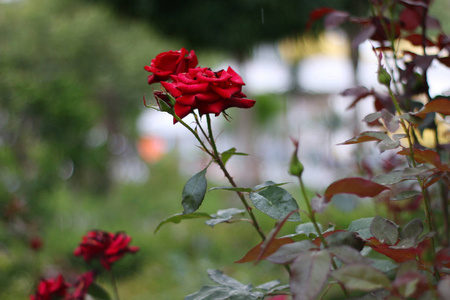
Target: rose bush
<point x="105" y="246"/>
<point x="170" y="63"/>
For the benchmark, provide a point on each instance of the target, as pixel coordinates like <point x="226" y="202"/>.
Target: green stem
<point x="426" y="198"/>
<point x="194" y="133"/>
<point x="216" y="156"/>
<point x="312" y="217"/>
<point x="114" y="284"/>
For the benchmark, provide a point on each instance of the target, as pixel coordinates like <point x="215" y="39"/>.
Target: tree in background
<point x="234" y="26"/>
<point x="67" y="104"/>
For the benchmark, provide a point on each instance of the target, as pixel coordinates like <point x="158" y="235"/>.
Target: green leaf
<point x="229" y="288"/>
<point x="309" y="274"/>
<point x="347" y="255"/>
<point x="194" y="192"/>
<point x="405" y="195"/>
<point x="362" y="227"/>
<point x="276" y="203"/>
<point x="177" y="218"/>
<point x="288" y="252"/>
<point x="361" y="277"/>
<point x="412" y="230"/>
<point x="268" y="285"/>
<point x="265" y="185"/>
<point x="347" y="238"/>
<point x="223" y="215"/>
<point x="97" y="292"/>
<point x="308" y="229"/>
<point x="231" y="188"/>
<point x="218" y="277"/>
<point x="383" y="265"/>
<point x="389" y="178"/>
<point x="220" y="292"/>
<point x="384" y="230"/>
<point x="226" y="155"/>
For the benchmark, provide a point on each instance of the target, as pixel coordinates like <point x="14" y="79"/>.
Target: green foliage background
<point x="70" y="69"/>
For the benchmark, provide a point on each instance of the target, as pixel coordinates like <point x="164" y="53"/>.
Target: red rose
<point x="170" y="63"/>
<point x="209" y="92"/>
<point x="50" y="288"/>
<point x="36" y="243"/>
<point x="81" y="286"/>
<point x="105" y="246"/>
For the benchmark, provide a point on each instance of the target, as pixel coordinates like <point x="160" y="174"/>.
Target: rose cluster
<point x="194" y="87"/>
<point x="101" y="245"/>
<point x="58" y="288"/>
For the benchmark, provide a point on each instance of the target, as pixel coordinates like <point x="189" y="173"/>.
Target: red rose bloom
<point x="209" y="92"/>
<point x="105" y="246"/>
<point x="51" y="288"/>
<point x="81" y="286"/>
<point x="171" y="63"/>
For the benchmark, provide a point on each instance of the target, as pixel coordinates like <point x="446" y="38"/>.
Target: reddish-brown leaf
<point x="397" y="254"/>
<point x="440" y="105"/>
<point x="367" y="136"/>
<point x="426" y="156"/>
<point x="255" y="252"/>
<point x="354" y="185"/>
<point x="445" y="60"/>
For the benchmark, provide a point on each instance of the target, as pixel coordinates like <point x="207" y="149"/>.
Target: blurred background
<point x="79" y="151"/>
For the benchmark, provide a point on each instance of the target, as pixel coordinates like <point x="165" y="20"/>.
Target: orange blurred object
<point x="151" y="148"/>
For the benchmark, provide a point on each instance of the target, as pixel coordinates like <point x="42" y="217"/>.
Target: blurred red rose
<point x="51" y="288"/>
<point x="81" y="286"/>
<point x="105" y="246"/>
<point x="36" y="243"/>
<point x="170" y="63"/>
<point x="207" y="91"/>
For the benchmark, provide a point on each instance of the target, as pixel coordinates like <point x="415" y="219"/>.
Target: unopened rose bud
<point x="295" y="167"/>
<point x="164" y="101"/>
<point x="383" y="76"/>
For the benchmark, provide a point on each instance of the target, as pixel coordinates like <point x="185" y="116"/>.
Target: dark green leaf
<point x="177" y="218"/>
<point x="384" y="265"/>
<point x="347" y="255"/>
<point x="309" y="274"/>
<point x="405" y="195"/>
<point x="266" y="184"/>
<point x="268" y="285"/>
<point x="223" y="215"/>
<point x="230" y="188"/>
<point x="226" y="155"/>
<point x="412" y="230"/>
<point x="229" y="288"/>
<point x="98" y="292"/>
<point x="194" y="192"/>
<point x="347" y="238"/>
<point x="221" y="292"/>
<point x="384" y="230"/>
<point x="288" y="252"/>
<point x="218" y="277"/>
<point x="361" y="277"/>
<point x="362" y="227"/>
<point x="276" y="203"/>
<point x="308" y="229"/>
<point x="389" y="178"/>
